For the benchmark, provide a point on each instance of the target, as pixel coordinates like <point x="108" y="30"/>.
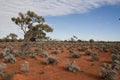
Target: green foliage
<point x="13" y="36"/>
<point x="32" y="25"/>
<point x="91" y="40"/>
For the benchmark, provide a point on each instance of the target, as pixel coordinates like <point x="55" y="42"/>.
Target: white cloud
<point x="10" y="8"/>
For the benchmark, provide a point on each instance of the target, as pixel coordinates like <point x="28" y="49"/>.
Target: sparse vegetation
<point x="7" y="76"/>
<point x="51" y="60"/>
<point x="71" y="66"/>
<point x="107" y="73"/>
<point x="54" y="52"/>
<point x="44" y="54"/>
<point x="94" y="57"/>
<point x="116" y="59"/>
<point x="3" y="66"/>
<point x="25" y="67"/>
<point x="88" y="52"/>
<point x="39" y="54"/>
<point x="75" y="55"/>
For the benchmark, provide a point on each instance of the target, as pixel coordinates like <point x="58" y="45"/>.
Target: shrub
<point x="71" y="50"/>
<point x="81" y="49"/>
<point x="54" y="52"/>
<point x="16" y="52"/>
<point x="88" y="52"/>
<point x="44" y="54"/>
<point x="25" y="67"/>
<point x="116" y="64"/>
<point x="107" y="73"/>
<point x="3" y="66"/>
<point x="75" y="55"/>
<point x="33" y="55"/>
<point x="94" y="57"/>
<point x="71" y="66"/>
<point x="8" y="54"/>
<point x="7" y="76"/>
<point x="9" y="58"/>
<point x="116" y="60"/>
<point x="103" y="48"/>
<point x="51" y="60"/>
<point x="6" y="51"/>
<point x="91" y="41"/>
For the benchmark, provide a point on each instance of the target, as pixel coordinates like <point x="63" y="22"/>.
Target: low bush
<point x="51" y="60"/>
<point x="75" y="55"/>
<point x="94" y="57"/>
<point x="71" y="66"/>
<point x="3" y="66"/>
<point x="44" y="54"/>
<point x="9" y="58"/>
<point x="116" y="60"/>
<point x="54" y="52"/>
<point x="107" y="73"/>
<point x="25" y="67"/>
<point x="88" y="52"/>
<point x="7" y="76"/>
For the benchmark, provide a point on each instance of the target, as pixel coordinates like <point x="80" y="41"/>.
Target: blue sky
<point x="86" y="19"/>
<point x="99" y="24"/>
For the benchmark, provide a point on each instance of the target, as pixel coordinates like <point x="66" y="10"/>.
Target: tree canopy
<point x="32" y="25"/>
<point x="13" y="36"/>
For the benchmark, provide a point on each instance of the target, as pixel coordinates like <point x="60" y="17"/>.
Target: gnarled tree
<point x="32" y="25"/>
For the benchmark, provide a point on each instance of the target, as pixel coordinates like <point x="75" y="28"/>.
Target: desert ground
<point x="39" y="70"/>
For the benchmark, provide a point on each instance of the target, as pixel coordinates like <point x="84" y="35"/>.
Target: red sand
<point x="40" y="71"/>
